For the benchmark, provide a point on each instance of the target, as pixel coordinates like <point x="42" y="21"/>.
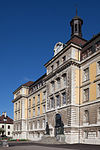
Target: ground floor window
<point x="86" y="134"/>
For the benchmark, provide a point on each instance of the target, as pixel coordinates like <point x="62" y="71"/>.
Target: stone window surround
<point x="85" y="87"/>
<point x="86" y="134"/>
<point x="86" y="118"/>
<point x="61" y="100"/>
<point x="44" y="94"/>
<point x="97" y="95"/>
<point x="52" y="104"/>
<point x="38" y="100"/>
<point x="83" y="75"/>
<point x="63" y="104"/>
<point x="43" y="108"/>
<point x="58" y="95"/>
<point x="29" y="103"/>
<point x="97" y="67"/>
<point x="64" y="58"/>
<point x="61" y="78"/>
<point x="33" y="100"/>
<point x="29" y="113"/>
<point x="38" y="124"/>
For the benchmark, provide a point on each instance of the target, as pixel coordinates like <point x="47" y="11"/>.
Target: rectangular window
<point x="38" y="110"/>
<point x="52" y="67"/>
<point x="58" y="83"/>
<point x="99" y="134"/>
<point x="52" y="102"/>
<point x="38" y="98"/>
<point x="19" y="115"/>
<point x="34" y="112"/>
<point x="29" y="113"/>
<point x="52" y="86"/>
<point x="98" y="67"/>
<point x="86" y="134"/>
<point x="64" y="79"/>
<point x="43" y="123"/>
<point x="58" y="101"/>
<point x="29" y="103"/>
<point x="3" y="126"/>
<point x="44" y="108"/>
<point x="38" y="124"/>
<point x="19" y="105"/>
<point x="97" y="46"/>
<point x="86" y="116"/>
<point x="57" y="63"/>
<point x="8" y="133"/>
<point x="33" y="100"/>
<point x="86" y="74"/>
<point x="98" y="113"/>
<point x="33" y="126"/>
<point x="16" y="107"/>
<point x="44" y="95"/>
<point x="64" y="98"/>
<point x="8" y="127"/>
<point x="86" y="94"/>
<point x="98" y="90"/>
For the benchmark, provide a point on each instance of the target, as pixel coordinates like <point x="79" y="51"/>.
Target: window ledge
<point x="86" y="101"/>
<point x="85" y="83"/>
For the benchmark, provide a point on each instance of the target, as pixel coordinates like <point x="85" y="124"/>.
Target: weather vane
<point x="76" y="9"/>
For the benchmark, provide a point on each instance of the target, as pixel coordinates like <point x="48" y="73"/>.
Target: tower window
<point x="75" y="27"/>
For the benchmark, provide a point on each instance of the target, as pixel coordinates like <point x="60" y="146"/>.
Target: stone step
<point x="50" y="140"/>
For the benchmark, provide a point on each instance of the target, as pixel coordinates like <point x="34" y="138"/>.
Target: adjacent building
<point x="6" y="123"/>
<point x="67" y="97"/>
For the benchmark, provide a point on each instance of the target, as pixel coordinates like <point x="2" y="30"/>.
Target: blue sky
<point x="29" y="29"/>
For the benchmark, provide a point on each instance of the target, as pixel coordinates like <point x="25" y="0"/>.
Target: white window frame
<point x="85" y="77"/>
<point x="58" y="103"/>
<point x="44" y="108"/>
<point x="84" y="96"/>
<point x="64" y="98"/>
<point x="98" y="68"/>
<point x="38" y="110"/>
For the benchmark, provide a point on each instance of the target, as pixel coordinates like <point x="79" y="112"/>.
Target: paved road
<point x="38" y="146"/>
<point x="33" y="148"/>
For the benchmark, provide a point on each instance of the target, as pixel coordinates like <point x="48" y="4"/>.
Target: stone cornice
<point x="62" y="67"/>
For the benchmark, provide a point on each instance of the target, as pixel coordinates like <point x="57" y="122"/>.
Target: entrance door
<point x="59" y="126"/>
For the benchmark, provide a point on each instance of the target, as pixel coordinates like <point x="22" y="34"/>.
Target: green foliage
<point x="2" y="130"/>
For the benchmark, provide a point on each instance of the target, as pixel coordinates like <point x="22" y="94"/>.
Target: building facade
<point x="67" y="97"/>
<point x="6" y="123"/>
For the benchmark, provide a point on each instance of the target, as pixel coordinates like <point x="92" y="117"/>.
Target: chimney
<point x="3" y="113"/>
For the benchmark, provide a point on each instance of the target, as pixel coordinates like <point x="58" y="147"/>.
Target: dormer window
<point x="64" y="59"/>
<point x="57" y="63"/>
<point x="52" y="67"/>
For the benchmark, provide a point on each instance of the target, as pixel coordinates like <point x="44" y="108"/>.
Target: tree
<point x="2" y="131"/>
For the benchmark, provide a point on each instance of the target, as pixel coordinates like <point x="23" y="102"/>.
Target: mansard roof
<point x="27" y="84"/>
<point x="74" y="40"/>
<point x="8" y="120"/>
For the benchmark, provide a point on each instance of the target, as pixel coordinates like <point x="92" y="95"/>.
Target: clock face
<point x="58" y="47"/>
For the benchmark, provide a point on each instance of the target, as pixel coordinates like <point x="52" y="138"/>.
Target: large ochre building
<point x="67" y="97"/>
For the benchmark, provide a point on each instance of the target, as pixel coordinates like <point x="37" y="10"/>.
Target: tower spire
<point x="76" y="10"/>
